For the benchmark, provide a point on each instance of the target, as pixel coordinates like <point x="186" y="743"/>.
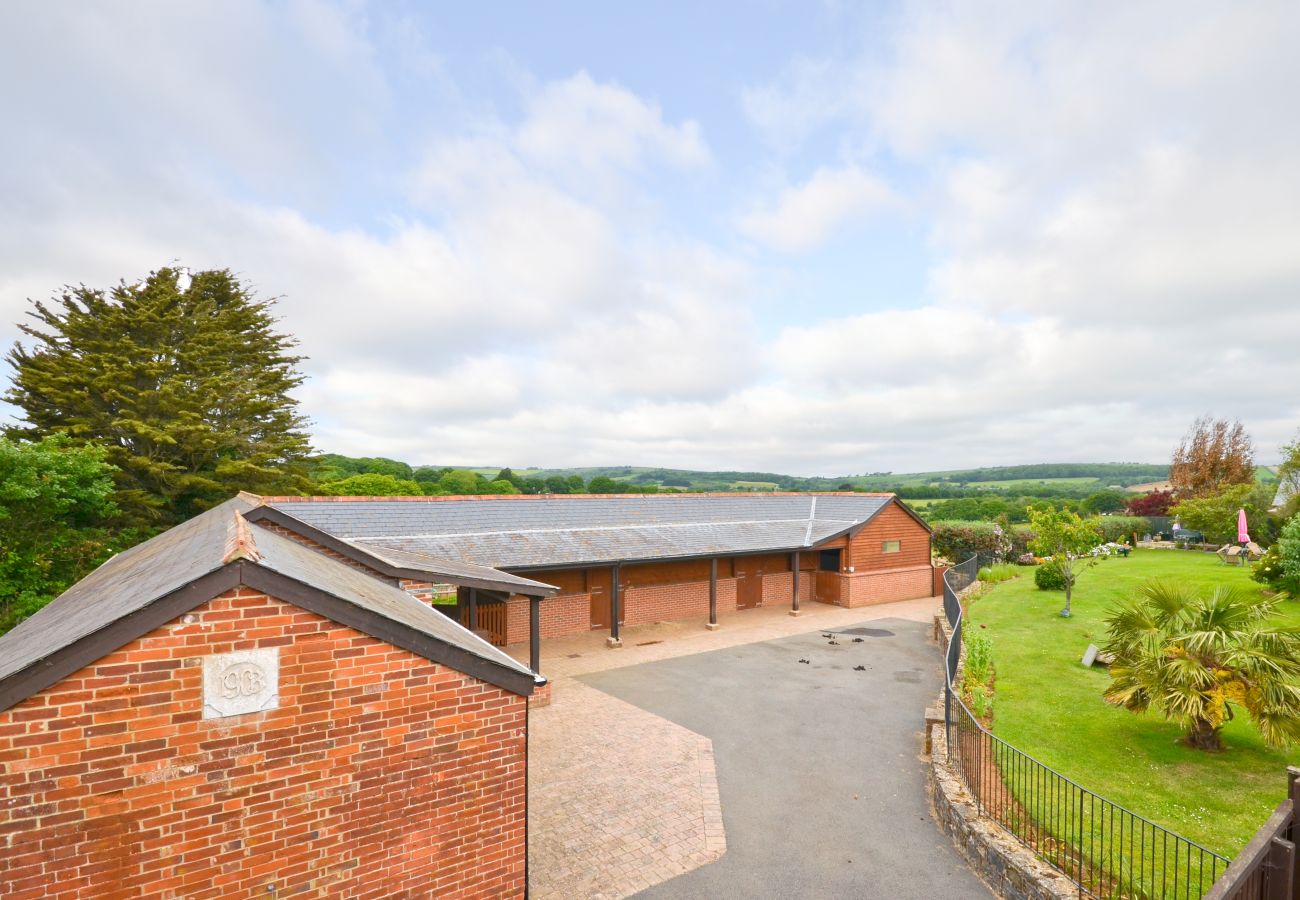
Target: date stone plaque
<point x="245" y="681"/>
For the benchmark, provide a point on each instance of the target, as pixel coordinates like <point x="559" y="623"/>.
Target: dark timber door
<point x="828" y="577"/>
<point x="749" y="583"/>
<point x="598" y="581"/>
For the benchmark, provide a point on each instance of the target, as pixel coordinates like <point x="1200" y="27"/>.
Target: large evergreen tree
<point x="185" y="385"/>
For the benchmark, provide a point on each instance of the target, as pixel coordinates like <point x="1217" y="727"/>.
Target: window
<point x="891" y="546"/>
<point x="830" y="561"/>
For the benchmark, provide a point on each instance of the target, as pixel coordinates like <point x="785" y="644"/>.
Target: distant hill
<point x="1062" y="479"/>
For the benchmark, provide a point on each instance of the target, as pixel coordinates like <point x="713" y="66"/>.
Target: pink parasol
<point x="1243" y="536"/>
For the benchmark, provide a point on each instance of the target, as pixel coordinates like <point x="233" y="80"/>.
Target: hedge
<point x="958" y="540"/>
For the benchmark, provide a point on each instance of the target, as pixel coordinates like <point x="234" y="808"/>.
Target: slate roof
<point x="220" y="538"/>
<point x="530" y="532"/>
<point x="1286" y="489"/>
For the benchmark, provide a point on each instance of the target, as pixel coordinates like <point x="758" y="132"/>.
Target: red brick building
<point x="629" y="559"/>
<point x="224" y="711"/>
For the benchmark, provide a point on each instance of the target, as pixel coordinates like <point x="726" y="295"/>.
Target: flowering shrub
<point x="1288" y="548"/>
<point x="1268" y="571"/>
<point x="958" y="540"/>
<point x="1026" y="559"/>
<point x="1108" y="549"/>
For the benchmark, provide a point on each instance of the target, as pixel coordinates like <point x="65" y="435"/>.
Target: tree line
<point x="145" y="403"/>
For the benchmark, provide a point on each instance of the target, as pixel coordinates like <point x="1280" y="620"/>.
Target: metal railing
<point x="1105" y="849"/>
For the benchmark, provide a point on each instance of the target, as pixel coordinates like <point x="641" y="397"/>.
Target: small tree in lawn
<point x="1066" y="539"/>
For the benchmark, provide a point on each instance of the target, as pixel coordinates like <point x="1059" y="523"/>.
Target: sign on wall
<point x="245" y="681"/>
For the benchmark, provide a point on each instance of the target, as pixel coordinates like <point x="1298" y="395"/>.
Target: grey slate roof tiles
<point x="168" y="562"/>
<point x="529" y="532"/>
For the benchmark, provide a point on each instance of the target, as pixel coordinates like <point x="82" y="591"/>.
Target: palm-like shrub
<point x="1194" y="657"/>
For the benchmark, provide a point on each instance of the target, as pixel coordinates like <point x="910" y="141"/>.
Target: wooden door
<point x="598" y="581"/>
<point x="598" y="586"/>
<point x="827" y="587"/>
<point x="749" y="583"/>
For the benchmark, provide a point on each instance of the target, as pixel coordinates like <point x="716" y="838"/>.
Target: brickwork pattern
<point x="607" y="831"/>
<point x="664" y="602"/>
<point x="866" y="588"/>
<point x="563" y="615"/>
<point x="778" y="588"/>
<point x="380" y="774"/>
<point x="517" y="619"/>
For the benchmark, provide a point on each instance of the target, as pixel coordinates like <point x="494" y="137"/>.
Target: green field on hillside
<point x="1068" y="478"/>
<point x="1028" y="484"/>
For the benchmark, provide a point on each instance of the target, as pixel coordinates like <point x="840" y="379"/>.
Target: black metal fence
<point x="1105" y="849"/>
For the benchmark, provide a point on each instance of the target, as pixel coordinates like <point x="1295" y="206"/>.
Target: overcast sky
<point x="810" y="239"/>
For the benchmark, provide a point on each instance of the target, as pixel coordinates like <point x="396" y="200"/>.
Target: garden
<point x="1045" y="702"/>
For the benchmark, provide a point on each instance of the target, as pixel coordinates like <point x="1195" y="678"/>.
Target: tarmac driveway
<point x="819" y="765"/>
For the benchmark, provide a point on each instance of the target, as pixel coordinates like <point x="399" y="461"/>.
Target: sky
<point x="806" y="238"/>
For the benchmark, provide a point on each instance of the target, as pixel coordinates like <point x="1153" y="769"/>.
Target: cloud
<point x="580" y="122"/>
<point x="806" y="215"/>
<point x="550" y="271"/>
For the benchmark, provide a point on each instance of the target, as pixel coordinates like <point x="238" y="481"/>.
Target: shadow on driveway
<point x="819" y="766"/>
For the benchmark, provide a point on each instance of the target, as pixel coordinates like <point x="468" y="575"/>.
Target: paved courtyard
<point x="817" y="765"/>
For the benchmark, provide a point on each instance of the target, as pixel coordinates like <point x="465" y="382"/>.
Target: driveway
<point x="819" y="766"/>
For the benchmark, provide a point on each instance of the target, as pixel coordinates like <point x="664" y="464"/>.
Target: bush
<point x="981" y="704"/>
<point x="1049" y="577"/>
<point x="371" y="485"/>
<point x="998" y="574"/>
<point x="1288" y="548"/>
<point x="979" y="659"/>
<point x="1268" y="571"/>
<point x="1117" y="528"/>
<point x="958" y="540"/>
<point x="1026" y="559"/>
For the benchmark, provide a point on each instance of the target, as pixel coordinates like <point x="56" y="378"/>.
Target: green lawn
<point x="1049" y="706"/>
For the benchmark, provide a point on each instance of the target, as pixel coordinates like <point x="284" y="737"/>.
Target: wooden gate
<point x="491" y="619"/>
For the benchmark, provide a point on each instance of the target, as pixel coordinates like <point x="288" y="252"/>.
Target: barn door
<point x="598" y="584"/>
<point x="749" y="583"/>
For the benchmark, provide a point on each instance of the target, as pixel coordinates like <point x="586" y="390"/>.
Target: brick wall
<point x="566" y="615"/>
<point x="866" y="588"/>
<point x="517" y="619"/>
<point x="778" y="588"/>
<point x="646" y="604"/>
<point x="380" y="774"/>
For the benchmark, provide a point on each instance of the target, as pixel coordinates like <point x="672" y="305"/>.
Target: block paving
<point x="621" y="799"/>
